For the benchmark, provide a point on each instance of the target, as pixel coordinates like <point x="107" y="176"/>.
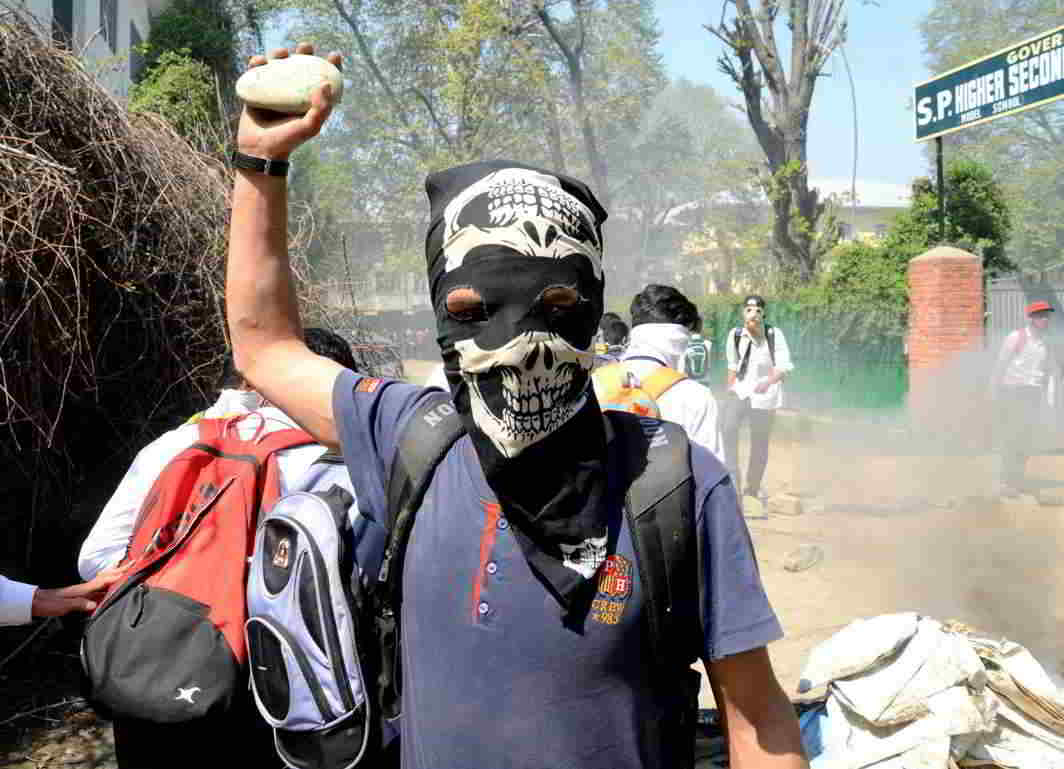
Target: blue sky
<point x="886" y="56"/>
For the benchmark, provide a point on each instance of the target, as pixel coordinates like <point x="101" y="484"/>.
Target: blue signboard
<point x="1014" y="79"/>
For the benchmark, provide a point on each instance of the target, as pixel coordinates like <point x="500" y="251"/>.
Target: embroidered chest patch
<point x="614" y="587"/>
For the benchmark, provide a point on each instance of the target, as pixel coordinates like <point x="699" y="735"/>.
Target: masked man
<point x="504" y="662"/>
<point x="758" y="360"/>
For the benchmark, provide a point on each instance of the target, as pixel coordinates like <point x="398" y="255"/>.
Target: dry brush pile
<point x="111" y="244"/>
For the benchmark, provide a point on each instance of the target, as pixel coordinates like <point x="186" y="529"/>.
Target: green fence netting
<point x="836" y="369"/>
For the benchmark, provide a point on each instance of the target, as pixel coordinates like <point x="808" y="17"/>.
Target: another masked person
<point x="505" y="662"/>
<point x="758" y="361"/>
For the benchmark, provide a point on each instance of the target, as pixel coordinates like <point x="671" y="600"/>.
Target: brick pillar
<point x="945" y="320"/>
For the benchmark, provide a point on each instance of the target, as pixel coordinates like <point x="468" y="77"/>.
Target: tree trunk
<point x="554" y="137"/>
<point x="573" y="54"/>
<point x="781" y="128"/>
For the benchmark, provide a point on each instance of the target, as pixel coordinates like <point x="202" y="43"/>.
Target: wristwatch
<point x="262" y="165"/>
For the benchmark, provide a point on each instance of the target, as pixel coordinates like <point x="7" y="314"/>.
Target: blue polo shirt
<point x="491" y="677"/>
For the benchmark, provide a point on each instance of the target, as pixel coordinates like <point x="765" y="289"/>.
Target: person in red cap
<point x="1019" y="386"/>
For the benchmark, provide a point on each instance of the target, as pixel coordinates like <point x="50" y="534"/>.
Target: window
<point x="136" y="58"/>
<point x="109" y="22"/>
<point x="845" y="231"/>
<point x="63" y="22"/>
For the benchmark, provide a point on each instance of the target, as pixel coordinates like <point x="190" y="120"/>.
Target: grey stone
<point x="1051" y="498"/>
<point x="785" y="504"/>
<point x="803" y="557"/>
<point x="285" y="85"/>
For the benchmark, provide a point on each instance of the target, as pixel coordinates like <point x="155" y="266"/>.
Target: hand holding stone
<point x="274" y="135"/>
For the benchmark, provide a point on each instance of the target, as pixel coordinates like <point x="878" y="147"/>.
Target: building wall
<point x="103" y="33"/>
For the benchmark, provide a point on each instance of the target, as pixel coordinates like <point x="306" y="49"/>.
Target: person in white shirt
<point x="758" y="360"/>
<point x="661" y="321"/>
<point x="21" y="602"/>
<point x="1019" y="388"/>
<point x="107" y="541"/>
<point x="137" y="741"/>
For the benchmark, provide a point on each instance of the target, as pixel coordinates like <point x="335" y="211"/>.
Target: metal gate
<point x="1006" y="297"/>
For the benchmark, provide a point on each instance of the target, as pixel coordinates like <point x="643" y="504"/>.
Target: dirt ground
<point x="899" y="530"/>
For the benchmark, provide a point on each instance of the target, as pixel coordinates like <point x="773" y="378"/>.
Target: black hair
<point x="696" y="326"/>
<point x="331" y="345"/>
<point x="615" y="333"/>
<point x="662" y="304"/>
<point x="756" y="299"/>
<point x="608" y="318"/>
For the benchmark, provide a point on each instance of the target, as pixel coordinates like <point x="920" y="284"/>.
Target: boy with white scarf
<point x="661" y="321"/>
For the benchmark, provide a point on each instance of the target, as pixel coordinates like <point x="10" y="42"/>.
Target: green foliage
<point x="977" y="216"/>
<point x="429" y="85"/>
<point x="201" y="30"/>
<point x="864" y="287"/>
<point x="181" y="90"/>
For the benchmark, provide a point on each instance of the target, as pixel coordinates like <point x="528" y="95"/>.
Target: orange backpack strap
<point x="610" y="379"/>
<point x="657" y="384"/>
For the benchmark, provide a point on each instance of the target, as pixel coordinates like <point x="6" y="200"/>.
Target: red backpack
<point x="167" y="643"/>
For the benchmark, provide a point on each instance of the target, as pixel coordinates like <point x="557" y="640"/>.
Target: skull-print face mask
<point x="515" y="268"/>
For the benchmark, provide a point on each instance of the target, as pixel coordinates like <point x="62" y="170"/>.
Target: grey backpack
<point x="307" y="678"/>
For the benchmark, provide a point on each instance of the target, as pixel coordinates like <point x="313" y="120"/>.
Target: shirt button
<point x="482" y="608"/>
<point x="492" y="567"/>
<point x="503" y="523"/>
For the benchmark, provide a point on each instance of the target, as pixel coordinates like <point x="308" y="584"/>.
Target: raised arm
<point x="261" y="306"/>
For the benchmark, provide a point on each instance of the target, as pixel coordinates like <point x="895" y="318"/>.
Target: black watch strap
<point x="262" y="165"/>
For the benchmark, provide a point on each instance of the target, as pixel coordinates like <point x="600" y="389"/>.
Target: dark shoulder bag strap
<point x="770" y="334"/>
<point x="660" y="512"/>
<point x="745" y="362"/>
<point x="429" y="433"/>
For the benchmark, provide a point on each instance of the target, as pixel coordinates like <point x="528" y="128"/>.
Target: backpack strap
<point x="770" y="335"/>
<point x="745" y="358"/>
<point x="657" y="384"/>
<point x="660" y="513"/>
<point x="1021" y="341"/>
<point x="609" y="378"/>
<point x="431" y="430"/>
<point x="645" y="357"/>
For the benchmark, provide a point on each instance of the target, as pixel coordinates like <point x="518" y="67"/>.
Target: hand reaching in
<point x="274" y="136"/>
<point x="83" y="597"/>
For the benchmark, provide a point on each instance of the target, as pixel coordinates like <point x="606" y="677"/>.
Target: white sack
<point x="857" y="647"/>
<point x="897" y="693"/>
<point x="852" y="743"/>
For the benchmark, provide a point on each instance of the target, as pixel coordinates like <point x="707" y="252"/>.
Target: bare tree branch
<point x="366" y="53"/>
<point x="421" y="97"/>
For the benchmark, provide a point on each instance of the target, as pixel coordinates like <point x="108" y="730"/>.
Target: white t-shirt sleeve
<point x="16" y="602"/>
<point x="107" y="541"/>
<point x="783" y="352"/>
<point x="693" y="407"/>
<point x="729" y="351"/>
